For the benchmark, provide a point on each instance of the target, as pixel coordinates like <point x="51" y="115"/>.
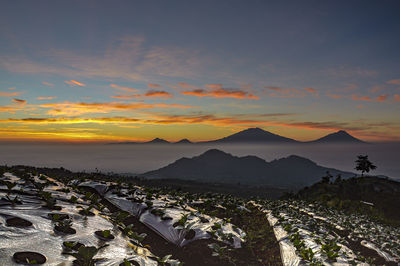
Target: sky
<point x="136" y="70"/>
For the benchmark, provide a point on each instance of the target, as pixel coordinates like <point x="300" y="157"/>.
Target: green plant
<point x="307" y="254"/>
<point x="86" y="211"/>
<point x="28" y="261"/>
<point x="9" y="185"/>
<point x="84" y="256"/>
<point x="73" y="199"/>
<point x="182" y="221"/>
<point x="105" y="233"/>
<point x="13" y="201"/>
<point x="331" y="250"/>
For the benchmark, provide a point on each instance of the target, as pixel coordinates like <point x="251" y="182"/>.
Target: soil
<point x="21" y="257"/>
<point x="65" y="230"/>
<point x="99" y="234"/>
<point x="18" y="222"/>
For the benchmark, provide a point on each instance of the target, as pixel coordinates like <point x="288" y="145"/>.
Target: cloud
<point x="394" y="82"/>
<point x="155" y="93"/>
<point x="122" y="88"/>
<point x="376" y="89"/>
<point x="221" y="93"/>
<point x="290" y="92"/>
<point x="9" y="94"/>
<point x="150" y="93"/>
<point x="274" y="88"/>
<point x="397" y="97"/>
<point x="214" y="86"/>
<point x="380" y="98"/>
<point x="154" y="86"/>
<point x="19" y="101"/>
<point x="361" y="98"/>
<point x="237" y="121"/>
<point x="48" y="84"/>
<point x="46" y="98"/>
<point x="73" y="83"/>
<point x="186" y="86"/>
<point x="347" y="71"/>
<point x="311" y="90"/>
<point x="335" y="96"/>
<point x="75" y="109"/>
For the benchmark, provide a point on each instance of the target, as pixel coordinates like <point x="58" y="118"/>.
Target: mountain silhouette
<point x="157" y="141"/>
<point x="339" y="136"/>
<point x="258" y="135"/>
<point x="184" y="141"/>
<point x="253" y="135"/>
<point x="217" y="166"/>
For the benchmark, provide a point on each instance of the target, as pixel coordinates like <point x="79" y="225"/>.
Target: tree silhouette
<point x="363" y="164"/>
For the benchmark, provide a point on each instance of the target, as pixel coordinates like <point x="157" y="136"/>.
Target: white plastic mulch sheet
<point x="288" y="251"/>
<point x="41" y="238"/>
<point x="200" y="223"/>
<point x="313" y="226"/>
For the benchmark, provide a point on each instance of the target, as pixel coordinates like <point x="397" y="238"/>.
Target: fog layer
<point x="125" y="158"/>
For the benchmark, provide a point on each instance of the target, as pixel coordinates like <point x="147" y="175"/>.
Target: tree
<point x="363" y="164"/>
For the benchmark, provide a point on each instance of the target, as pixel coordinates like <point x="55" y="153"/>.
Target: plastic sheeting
<point x="165" y="227"/>
<point x="288" y="251"/>
<point x="381" y="253"/>
<point x="40" y="237"/>
<point x="99" y="187"/>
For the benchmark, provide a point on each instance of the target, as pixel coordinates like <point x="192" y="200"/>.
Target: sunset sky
<point x="136" y="70"/>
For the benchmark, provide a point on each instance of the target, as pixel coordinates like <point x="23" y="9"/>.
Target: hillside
<point x="217" y="166"/>
<point x="379" y="197"/>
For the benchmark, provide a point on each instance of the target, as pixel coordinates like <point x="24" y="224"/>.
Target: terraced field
<point x="74" y="219"/>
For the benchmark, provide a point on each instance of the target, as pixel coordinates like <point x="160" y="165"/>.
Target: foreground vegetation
<point x="89" y="216"/>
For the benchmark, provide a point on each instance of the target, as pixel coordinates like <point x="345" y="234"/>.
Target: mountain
<point x="184" y="141"/>
<point x="253" y="135"/>
<point x="217" y="166"/>
<point x="157" y="141"/>
<point x="340" y="136"/>
<point x="358" y="194"/>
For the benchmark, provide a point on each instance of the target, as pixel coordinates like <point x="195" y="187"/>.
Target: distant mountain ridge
<point x="253" y="135"/>
<point x="217" y="166"/>
<point x="258" y="135"/>
<point x="339" y="136"/>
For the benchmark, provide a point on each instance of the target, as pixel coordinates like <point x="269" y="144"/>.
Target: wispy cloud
<point x="127" y="58"/>
<point x="47" y="84"/>
<point x="73" y="83"/>
<point x="122" y="88"/>
<point x="380" y="98"/>
<point x="46" y="98"/>
<point x="274" y="91"/>
<point x="394" y="82"/>
<point x="397" y="97"/>
<point x="154" y="86"/>
<point x="186" y="86"/>
<point x="75" y="109"/>
<point x="150" y="93"/>
<point x="19" y="101"/>
<point x="9" y="94"/>
<point x="348" y="71"/>
<point x="218" y="92"/>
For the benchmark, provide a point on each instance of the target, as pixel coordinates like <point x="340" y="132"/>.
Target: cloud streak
<point x="74" y="83"/>
<point x="150" y="93"/>
<point x="75" y="109"/>
<point x="9" y="94"/>
<point x="273" y="91"/>
<point x="219" y="92"/>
